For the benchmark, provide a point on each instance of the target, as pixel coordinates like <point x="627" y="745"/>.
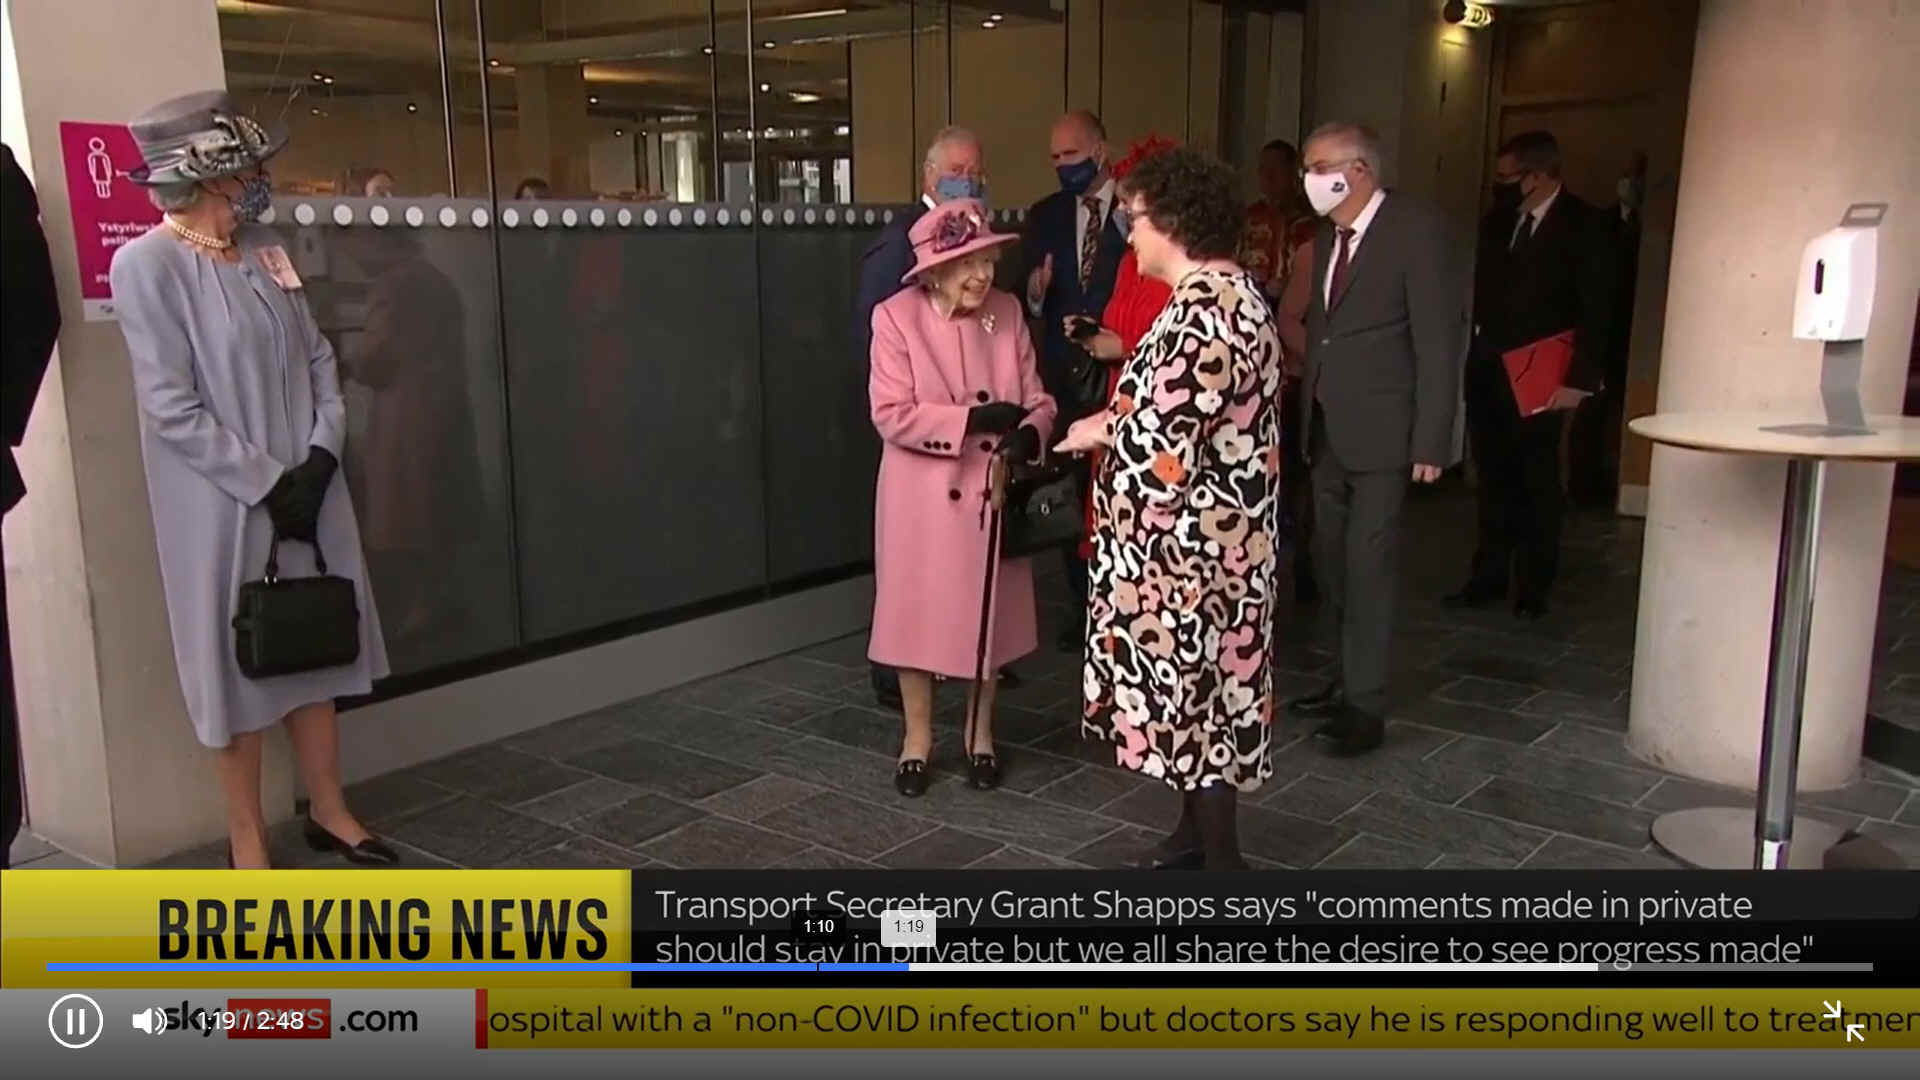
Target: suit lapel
<point x="1357" y="260"/>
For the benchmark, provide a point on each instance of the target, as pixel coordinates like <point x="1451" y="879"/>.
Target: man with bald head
<point x="1070" y="253"/>
<point x="954" y="168"/>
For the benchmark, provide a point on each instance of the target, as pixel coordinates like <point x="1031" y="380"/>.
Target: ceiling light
<point x="843" y="129"/>
<point x="618" y="132"/>
<point x="1471" y="16"/>
<point x="708" y="49"/>
<point x="989" y="24"/>
<point x="768" y="44"/>
<point x="411" y="107"/>
<point x="319" y="76"/>
<point x="328" y="80"/>
<point x="315" y="112"/>
<point x="823" y="13"/>
<point x="801" y="97"/>
<point x="591" y="100"/>
<point x="765" y="87"/>
<point x="493" y="63"/>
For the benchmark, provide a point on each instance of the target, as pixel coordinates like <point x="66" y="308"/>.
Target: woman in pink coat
<point x="953" y="383"/>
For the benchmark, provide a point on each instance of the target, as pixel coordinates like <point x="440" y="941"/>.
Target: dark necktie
<point x="1090" y="244"/>
<point x="1341" y="258"/>
<point x="1522" y="232"/>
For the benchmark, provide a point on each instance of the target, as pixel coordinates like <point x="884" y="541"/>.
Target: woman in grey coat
<point x="242" y="428"/>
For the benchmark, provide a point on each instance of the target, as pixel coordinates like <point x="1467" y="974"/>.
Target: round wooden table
<point x="1762" y="838"/>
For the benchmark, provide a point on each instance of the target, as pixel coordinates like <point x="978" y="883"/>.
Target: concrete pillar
<point x="553" y="126"/>
<point x="113" y="771"/>
<point x="1774" y="153"/>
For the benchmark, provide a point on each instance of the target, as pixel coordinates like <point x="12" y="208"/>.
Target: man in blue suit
<point x="1070" y="252"/>
<point x="952" y="170"/>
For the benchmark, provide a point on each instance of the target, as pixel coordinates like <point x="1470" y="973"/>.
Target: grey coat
<point x="1385" y="363"/>
<point x="234" y="384"/>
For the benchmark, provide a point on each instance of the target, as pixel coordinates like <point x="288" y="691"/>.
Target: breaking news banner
<point x="492" y="966"/>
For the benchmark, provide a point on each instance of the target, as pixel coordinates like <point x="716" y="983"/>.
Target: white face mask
<point x="1326" y="191"/>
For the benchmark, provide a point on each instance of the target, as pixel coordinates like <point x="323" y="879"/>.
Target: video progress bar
<point x="321" y="967"/>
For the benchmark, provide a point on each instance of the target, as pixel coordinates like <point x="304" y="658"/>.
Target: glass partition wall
<point x="590" y="268"/>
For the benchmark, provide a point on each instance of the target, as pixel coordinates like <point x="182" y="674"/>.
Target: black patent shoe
<point x="1328" y="702"/>
<point x="911" y="778"/>
<point x="983" y="772"/>
<point x="368" y="852"/>
<point x="1363" y="734"/>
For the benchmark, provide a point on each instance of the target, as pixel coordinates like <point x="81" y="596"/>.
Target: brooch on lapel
<point x="986" y="321"/>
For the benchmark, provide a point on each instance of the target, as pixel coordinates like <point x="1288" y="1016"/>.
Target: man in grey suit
<point x="1381" y="386"/>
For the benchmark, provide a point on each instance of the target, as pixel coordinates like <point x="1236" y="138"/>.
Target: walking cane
<point x="996" y="501"/>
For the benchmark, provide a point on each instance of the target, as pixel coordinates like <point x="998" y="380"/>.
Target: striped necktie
<point x="1090" y="243"/>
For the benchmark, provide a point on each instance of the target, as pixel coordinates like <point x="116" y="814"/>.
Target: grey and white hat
<point x="198" y="137"/>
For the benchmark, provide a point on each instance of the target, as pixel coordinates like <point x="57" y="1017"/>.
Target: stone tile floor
<point x="1506" y="749"/>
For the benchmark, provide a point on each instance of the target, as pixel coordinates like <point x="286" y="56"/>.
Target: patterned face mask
<point x="256" y="194"/>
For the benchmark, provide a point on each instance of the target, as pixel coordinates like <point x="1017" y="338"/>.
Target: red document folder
<point x="1536" y="370"/>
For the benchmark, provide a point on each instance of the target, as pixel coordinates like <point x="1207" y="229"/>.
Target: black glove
<point x="1022" y="444"/>
<point x="284" y="507"/>
<point x="997" y="418"/>
<point x="306" y="489"/>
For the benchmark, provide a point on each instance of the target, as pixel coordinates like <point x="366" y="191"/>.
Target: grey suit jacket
<point x="1384" y="363"/>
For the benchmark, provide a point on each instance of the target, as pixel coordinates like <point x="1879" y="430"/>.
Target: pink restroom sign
<point x="108" y="209"/>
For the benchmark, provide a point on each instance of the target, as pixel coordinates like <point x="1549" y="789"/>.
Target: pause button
<point x="75" y="1021"/>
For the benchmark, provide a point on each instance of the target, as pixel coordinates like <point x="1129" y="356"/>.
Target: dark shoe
<point x="368" y="852"/>
<point x="1010" y="679"/>
<point x="1164" y="856"/>
<point x="1335" y="726"/>
<point x="1530" y="608"/>
<point x="1362" y="734"/>
<point x="983" y="772"/>
<point x="911" y="778"/>
<point x="1470" y="598"/>
<point x="1328" y="702"/>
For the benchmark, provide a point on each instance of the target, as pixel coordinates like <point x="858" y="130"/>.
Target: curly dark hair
<point x="1192" y="198"/>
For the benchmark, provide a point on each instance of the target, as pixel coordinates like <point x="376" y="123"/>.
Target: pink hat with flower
<point x="951" y="231"/>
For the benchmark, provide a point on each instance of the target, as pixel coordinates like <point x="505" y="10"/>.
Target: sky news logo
<point x="242" y="1018"/>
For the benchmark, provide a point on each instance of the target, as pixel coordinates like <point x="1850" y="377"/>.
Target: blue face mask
<point x="1077" y="178"/>
<point x="256" y="194"/>
<point x="1123" y="220"/>
<point x="948" y="188"/>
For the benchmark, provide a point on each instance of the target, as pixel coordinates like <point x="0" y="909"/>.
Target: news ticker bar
<point x="935" y="966"/>
<point x="614" y="928"/>
<point x="185" y="1024"/>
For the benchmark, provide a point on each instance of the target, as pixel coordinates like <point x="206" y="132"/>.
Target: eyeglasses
<point x="1324" y="167"/>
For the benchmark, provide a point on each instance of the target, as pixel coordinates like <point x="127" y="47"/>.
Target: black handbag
<point x="287" y="626"/>
<point x="1086" y="385"/>
<point x="1045" y="507"/>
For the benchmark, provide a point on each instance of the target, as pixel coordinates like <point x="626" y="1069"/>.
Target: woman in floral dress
<point x="1186" y="505"/>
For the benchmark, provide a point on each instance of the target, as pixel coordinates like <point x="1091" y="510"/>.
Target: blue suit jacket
<point x="881" y="268"/>
<point x="1051" y="227"/>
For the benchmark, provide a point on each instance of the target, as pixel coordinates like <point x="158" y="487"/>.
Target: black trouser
<point x="11" y="803"/>
<point x="1356" y="541"/>
<point x="1520" y="500"/>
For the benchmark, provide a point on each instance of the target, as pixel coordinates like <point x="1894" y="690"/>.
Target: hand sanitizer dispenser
<point x="1832" y="304"/>
<point x="1834" y="296"/>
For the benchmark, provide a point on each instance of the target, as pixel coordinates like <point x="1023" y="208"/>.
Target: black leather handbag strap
<point x="273" y="559"/>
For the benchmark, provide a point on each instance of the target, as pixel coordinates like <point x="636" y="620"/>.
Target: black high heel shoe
<point x="911" y="778"/>
<point x="368" y="852"/>
<point x="983" y="772"/>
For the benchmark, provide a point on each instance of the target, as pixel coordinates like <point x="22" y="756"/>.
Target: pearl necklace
<point x="190" y="236"/>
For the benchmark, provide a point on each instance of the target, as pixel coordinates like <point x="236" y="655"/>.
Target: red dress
<point x="1135" y="303"/>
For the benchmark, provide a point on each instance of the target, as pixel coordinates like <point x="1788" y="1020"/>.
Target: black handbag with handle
<point x="1045" y="507"/>
<point x="283" y="626"/>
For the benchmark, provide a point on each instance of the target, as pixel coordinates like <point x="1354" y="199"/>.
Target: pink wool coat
<point x="930" y="535"/>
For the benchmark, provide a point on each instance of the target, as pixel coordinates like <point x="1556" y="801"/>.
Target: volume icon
<point x="152" y="1021"/>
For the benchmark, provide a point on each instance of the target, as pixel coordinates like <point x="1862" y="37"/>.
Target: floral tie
<point x="1090" y="244"/>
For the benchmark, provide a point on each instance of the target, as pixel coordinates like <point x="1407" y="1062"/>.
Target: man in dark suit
<point x="1542" y="268"/>
<point x="1381" y="385"/>
<point x="1070" y="253"/>
<point x="953" y="169"/>
<point x="32" y="324"/>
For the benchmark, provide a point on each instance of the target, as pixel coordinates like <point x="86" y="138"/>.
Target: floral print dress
<point x="1185" y="509"/>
